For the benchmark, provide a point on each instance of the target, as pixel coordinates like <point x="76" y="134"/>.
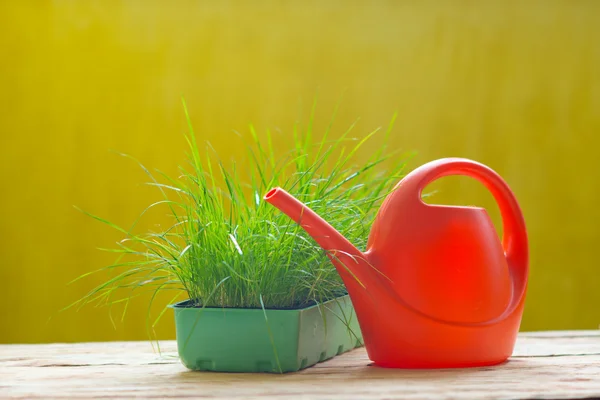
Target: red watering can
<point x="435" y="287"/>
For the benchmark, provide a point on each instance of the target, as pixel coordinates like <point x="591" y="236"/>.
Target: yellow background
<point x="513" y="84"/>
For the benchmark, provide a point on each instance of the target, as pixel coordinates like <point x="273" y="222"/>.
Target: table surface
<point x="563" y="364"/>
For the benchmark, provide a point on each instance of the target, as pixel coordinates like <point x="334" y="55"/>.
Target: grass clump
<point x="228" y="248"/>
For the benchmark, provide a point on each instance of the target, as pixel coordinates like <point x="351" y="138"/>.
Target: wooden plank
<point x="547" y="365"/>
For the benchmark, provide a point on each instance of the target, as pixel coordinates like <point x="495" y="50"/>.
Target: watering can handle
<point x="514" y="241"/>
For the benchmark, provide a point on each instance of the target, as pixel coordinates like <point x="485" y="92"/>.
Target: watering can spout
<point x="350" y="262"/>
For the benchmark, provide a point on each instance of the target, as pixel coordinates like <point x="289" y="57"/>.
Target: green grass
<point x="227" y="247"/>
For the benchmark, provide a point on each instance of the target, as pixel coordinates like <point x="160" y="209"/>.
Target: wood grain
<point x="545" y="365"/>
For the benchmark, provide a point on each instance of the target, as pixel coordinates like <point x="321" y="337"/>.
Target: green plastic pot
<point x="253" y="340"/>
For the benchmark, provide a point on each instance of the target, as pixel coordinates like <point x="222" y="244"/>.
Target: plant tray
<point x="253" y="340"/>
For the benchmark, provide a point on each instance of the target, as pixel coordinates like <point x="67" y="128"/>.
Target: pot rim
<point x="181" y="306"/>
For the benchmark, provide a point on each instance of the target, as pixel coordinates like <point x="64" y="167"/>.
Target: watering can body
<point x="435" y="287"/>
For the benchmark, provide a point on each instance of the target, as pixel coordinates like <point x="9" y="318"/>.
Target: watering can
<point x="435" y="287"/>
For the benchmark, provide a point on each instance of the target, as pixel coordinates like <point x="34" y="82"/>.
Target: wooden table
<point x="545" y="365"/>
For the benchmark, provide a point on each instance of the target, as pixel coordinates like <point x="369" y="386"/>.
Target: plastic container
<point x="253" y="340"/>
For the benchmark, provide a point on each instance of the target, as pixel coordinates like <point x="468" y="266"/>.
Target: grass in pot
<point x="261" y="295"/>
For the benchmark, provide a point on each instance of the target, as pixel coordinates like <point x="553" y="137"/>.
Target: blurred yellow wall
<point x="513" y="84"/>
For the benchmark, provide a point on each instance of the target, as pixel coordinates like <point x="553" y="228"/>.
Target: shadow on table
<point x="367" y="371"/>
